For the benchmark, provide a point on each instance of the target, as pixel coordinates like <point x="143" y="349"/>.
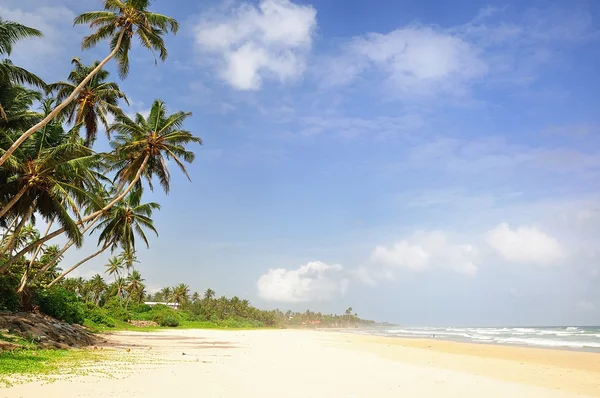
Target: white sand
<point x="307" y="364"/>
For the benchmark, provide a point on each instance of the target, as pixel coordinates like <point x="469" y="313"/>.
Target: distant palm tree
<point x="114" y="267"/>
<point x="97" y="288"/>
<point x="180" y="294"/>
<point x="95" y="101"/>
<point x="119" y="22"/>
<point x="165" y="294"/>
<point x="135" y="287"/>
<point x="209" y="294"/>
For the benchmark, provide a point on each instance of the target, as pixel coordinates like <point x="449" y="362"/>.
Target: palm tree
<point x="135" y="286"/>
<point x="128" y="258"/>
<point x="209" y="294"/>
<point x="95" y="101"/>
<point x="180" y="294"/>
<point x="119" y="22"/>
<point x="165" y="294"/>
<point x="10" y="33"/>
<point x="120" y="226"/>
<point x="51" y="173"/>
<point x="97" y="287"/>
<point x="141" y="148"/>
<point x="114" y="267"/>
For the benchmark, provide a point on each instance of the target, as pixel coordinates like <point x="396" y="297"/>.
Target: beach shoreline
<point x="265" y="363"/>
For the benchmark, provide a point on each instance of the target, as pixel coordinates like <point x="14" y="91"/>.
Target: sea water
<point x="563" y="337"/>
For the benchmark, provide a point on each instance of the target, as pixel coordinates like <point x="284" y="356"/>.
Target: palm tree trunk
<point x="10" y="244"/>
<point x="60" y="107"/>
<point x="78" y="264"/>
<point x="35" y="254"/>
<point x="13" y="201"/>
<point x="60" y="253"/>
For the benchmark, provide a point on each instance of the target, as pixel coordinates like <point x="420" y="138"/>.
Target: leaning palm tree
<point x="95" y="101"/>
<point x="141" y="149"/>
<point x="120" y="227"/>
<point x="119" y="22"/>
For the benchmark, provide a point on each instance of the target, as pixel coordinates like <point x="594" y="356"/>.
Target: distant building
<point x="153" y="303"/>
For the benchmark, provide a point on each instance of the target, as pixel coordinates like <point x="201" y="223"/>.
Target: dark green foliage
<point x="99" y="316"/>
<point x="60" y="304"/>
<point x="169" y="320"/>
<point x="116" y="309"/>
<point x="8" y="296"/>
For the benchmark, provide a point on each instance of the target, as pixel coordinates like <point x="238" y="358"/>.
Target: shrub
<point x="99" y="316"/>
<point x="141" y="308"/>
<point x="9" y="300"/>
<point x="115" y="309"/>
<point x="170" y="321"/>
<point x="60" y="304"/>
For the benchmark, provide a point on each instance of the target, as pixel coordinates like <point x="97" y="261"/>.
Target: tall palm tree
<point x="141" y="149"/>
<point x="120" y="226"/>
<point x="119" y="22"/>
<point x="94" y="102"/>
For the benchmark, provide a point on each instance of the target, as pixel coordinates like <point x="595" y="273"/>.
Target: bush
<point x="60" y="304"/>
<point x="170" y="321"/>
<point x="115" y="309"/>
<point x="99" y="316"/>
<point x="140" y="308"/>
<point x="9" y="300"/>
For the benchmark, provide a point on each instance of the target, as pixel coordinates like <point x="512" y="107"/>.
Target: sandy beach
<point x="295" y="363"/>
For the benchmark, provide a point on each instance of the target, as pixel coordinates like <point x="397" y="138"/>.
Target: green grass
<point x="26" y="363"/>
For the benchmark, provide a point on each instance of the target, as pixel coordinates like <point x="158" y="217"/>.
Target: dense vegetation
<point x="49" y="170"/>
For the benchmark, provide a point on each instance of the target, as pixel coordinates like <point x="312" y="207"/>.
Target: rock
<point x="46" y="331"/>
<point x="8" y="346"/>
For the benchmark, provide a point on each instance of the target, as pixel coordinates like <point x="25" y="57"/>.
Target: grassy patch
<point x="28" y="364"/>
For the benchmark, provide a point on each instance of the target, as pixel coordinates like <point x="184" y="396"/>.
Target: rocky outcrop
<point x="45" y="331"/>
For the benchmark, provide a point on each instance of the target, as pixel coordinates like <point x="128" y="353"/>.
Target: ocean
<point x="563" y="337"/>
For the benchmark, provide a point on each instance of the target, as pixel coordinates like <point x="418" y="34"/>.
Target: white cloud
<point x="424" y="62"/>
<point x="525" y="245"/>
<point x="425" y="251"/>
<point x="312" y="281"/>
<point x="421" y="60"/>
<point x="255" y="43"/>
<point x="56" y="23"/>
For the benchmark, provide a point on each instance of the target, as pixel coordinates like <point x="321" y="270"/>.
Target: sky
<point x="425" y="162"/>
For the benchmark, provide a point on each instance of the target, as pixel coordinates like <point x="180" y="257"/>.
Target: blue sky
<point x="426" y="162"/>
